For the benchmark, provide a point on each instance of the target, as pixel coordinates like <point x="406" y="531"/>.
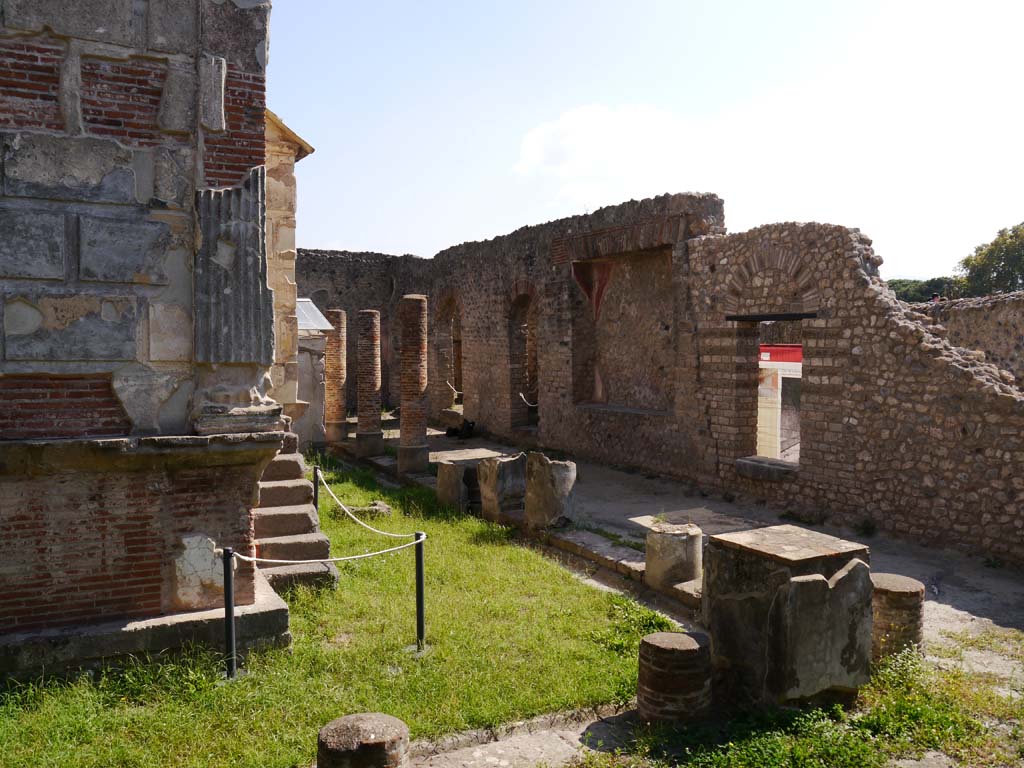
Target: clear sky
<point x="437" y="123"/>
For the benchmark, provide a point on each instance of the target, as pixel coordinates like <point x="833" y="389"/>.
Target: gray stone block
<point x="66" y="168"/>
<point x="452" y="490"/>
<point x="122" y="250"/>
<point x="238" y="31"/>
<point x="502" y="485"/>
<point x="109" y="21"/>
<point x="673" y="554"/>
<point x="177" y="102"/>
<point x="550" y="492"/>
<point x="79" y="327"/>
<point x="212" y="71"/>
<point x="31" y="245"/>
<point x="171" y="25"/>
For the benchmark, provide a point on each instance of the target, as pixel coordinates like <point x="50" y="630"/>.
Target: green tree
<point x="996" y="267"/>
<point x="922" y="290"/>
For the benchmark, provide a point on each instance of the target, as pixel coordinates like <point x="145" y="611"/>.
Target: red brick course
<point x="41" y="406"/>
<point x="30" y="83"/>
<point x="230" y="155"/>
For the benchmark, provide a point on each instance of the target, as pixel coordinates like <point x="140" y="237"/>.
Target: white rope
<point x="531" y="405"/>
<point x="328" y="559"/>
<point x="453" y="389"/>
<point x="367" y="527"/>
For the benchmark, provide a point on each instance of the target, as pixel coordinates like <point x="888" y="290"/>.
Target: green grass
<point x="908" y="708"/>
<point x="510" y="635"/>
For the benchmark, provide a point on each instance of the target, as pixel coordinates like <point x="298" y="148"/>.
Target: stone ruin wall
<point x="990" y="324"/>
<point x="898" y="427"/>
<point x="134" y="301"/>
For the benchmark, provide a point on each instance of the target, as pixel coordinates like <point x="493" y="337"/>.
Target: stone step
<point x="303" y="546"/>
<point x="291" y="443"/>
<point x="285" y="521"/>
<point x="316" y="575"/>
<point x="285" y="493"/>
<point x="285" y="466"/>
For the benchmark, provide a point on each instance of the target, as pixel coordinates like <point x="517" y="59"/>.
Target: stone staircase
<point x="287" y="525"/>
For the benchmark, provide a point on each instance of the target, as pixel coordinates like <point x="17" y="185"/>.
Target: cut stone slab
<point x="305" y="546"/>
<point x="550" y="492"/>
<point x="596" y="548"/>
<point x="285" y="493"/>
<point x="315" y="575"/>
<point x="452" y="490"/>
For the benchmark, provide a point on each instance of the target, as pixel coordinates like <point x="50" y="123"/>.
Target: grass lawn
<point x="511" y="635"/>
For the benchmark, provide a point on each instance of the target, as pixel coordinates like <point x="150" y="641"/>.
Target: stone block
<point x="177" y="102"/>
<point x="502" y="485"/>
<point x="77" y="327"/>
<point x="413" y="459"/>
<point x="674" y="554"/>
<point x="170" y="332"/>
<point x="171" y="26"/>
<point x="31" y="245"/>
<point x="897" y="606"/>
<point x="109" y="21"/>
<point x="212" y="73"/>
<point x="366" y="740"/>
<point x="122" y="250"/>
<point x="452" y="490"/>
<point x="369" y="444"/>
<point x="172" y="176"/>
<point x="66" y="168"/>
<point x="237" y="30"/>
<point x="756" y="599"/>
<point x="550" y="492"/>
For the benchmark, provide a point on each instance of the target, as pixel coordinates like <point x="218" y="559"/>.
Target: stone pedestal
<point x="502" y="486"/>
<point x="413" y="454"/>
<point x="452" y="490"/>
<point x="674" y="683"/>
<point x="789" y="614"/>
<point x="897" y="605"/>
<point x="674" y="554"/>
<point x="368" y="380"/>
<point x="550" y="492"/>
<point x="369" y="444"/>
<point x="363" y="741"/>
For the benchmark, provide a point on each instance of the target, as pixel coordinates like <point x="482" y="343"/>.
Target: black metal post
<point x="421" y="630"/>
<point x="316" y="489"/>
<point x="229" y="612"/>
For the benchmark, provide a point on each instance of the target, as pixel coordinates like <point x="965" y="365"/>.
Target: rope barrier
<point x="330" y="559"/>
<point x="453" y="389"/>
<point x="528" y="403"/>
<point x="365" y="525"/>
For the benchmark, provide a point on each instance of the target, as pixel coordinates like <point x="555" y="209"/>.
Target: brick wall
<point x="39" y="406"/>
<point x="98" y="538"/>
<point x="230" y="155"/>
<point x="30" y="83"/>
<point x="121" y="100"/>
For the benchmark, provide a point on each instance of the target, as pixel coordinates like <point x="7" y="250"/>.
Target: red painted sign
<point x="782" y="353"/>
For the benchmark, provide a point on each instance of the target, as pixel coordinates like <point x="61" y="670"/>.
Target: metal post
<point x="229" y="613"/>
<point x="316" y="489"/>
<point x="421" y="630"/>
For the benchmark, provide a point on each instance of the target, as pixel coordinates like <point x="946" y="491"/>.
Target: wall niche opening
<point x="779" y="384"/>
<point x="623" y="332"/>
<point x="449" y="352"/>
<point x="525" y="385"/>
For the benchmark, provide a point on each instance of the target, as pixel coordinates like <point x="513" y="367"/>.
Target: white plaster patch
<point x="225" y="255"/>
<point x="21" y="318"/>
<point x="198" y="572"/>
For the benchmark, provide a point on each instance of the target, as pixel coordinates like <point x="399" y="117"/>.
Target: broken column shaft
<point x="413" y="453"/>
<point x="369" y="437"/>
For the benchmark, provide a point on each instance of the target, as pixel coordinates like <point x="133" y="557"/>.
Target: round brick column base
<point x="897" y="608"/>
<point x="675" y="676"/>
<point x="369" y="444"/>
<point x="368" y="740"/>
<point x="413" y="459"/>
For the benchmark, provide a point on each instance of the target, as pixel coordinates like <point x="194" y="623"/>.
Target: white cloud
<point x="913" y="141"/>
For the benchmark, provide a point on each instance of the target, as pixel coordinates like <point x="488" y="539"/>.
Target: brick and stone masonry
<point x="897" y="607"/>
<point x="413" y="453"/>
<point x="674" y="682"/>
<point x="336" y="375"/>
<point x="369" y="436"/>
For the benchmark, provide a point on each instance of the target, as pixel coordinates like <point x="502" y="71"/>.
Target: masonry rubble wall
<point x="134" y="301"/>
<point x="637" y="363"/>
<point x="990" y="324"/>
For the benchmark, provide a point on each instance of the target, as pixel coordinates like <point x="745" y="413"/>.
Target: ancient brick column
<point x="336" y="377"/>
<point x="369" y="437"/>
<point x="413" y="453"/>
<point x="675" y="676"/>
<point x="897" y="607"/>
